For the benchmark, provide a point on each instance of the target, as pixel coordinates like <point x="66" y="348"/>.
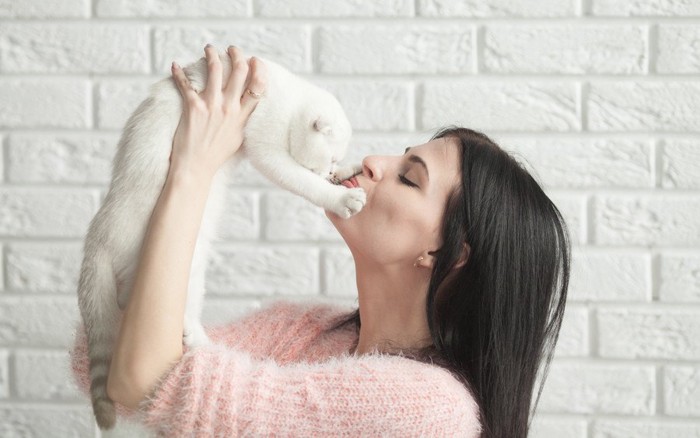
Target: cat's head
<point x="319" y="136"/>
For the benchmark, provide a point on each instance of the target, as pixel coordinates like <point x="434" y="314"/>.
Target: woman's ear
<point x="464" y="257"/>
<point x="428" y="258"/>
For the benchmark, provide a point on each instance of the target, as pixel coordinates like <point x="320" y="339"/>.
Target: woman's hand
<point x="211" y="127"/>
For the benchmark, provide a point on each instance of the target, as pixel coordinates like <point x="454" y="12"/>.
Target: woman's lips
<point x="350" y="183"/>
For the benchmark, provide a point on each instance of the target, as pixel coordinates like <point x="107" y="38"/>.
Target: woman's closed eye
<point x="407" y="182"/>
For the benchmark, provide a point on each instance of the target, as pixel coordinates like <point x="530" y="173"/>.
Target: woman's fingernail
<point x="174" y="65"/>
<point x="207" y="46"/>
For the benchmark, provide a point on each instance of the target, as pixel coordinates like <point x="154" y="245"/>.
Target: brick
<point x="494" y="106"/>
<point x="45" y="9"/>
<point x="339" y="273"/>
<point x="375" y="105"/>
<point x="495" y="8"/>
<point x="337" y="8"/>
<point x="55" y="421"/>
<point x="60" y="158"/>
<point x="4" y="374"/>
<point x="679" y="277"/>
<point x="420" y="48"/>
<point x="680" y="162"/>
<point x="38" y="321"/>
<point x="179" y="8"/>
<point x="290" y="217"/>
<point x="645" y="8"/>
<point x="678" y="49"/>
<point x="649" y="334"/>
<point x="585" y="162"/>
<point x="74" y="48"/>
<point x="655" y="219"/>
<point x="557" y="428"/>
<point x="39" y="267"/>
<point x="571" y="49"/>
<point x="598" y="276"/>
<point x="45" y="376"/>
<point x="364" y="144"/>
<point x="638" y="427"/>
<point x="240" y="218"/>
<point x="573" y="211"/>
<point x="646" y="106"/>
<point x="45" y="103"/>
<point x="118" y="99"/>
<point x="251" y="270"/>
<point x="287" y="45"/>
<point x="681" y="390"/>
<point x="595" y="388"/>
<point x="42" y="212"/>
<point x="573" y="337"/>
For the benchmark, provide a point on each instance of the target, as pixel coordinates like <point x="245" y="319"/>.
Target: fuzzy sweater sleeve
<point x="220" y="391"/>
<point x="251" y="383"/>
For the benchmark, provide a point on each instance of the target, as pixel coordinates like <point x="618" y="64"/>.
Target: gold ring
<point x="254" y="94"/>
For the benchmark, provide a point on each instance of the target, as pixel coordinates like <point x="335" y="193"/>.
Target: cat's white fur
<point x="294" y="137"/>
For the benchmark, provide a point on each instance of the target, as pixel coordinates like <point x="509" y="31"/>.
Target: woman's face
<point x="399" y="221"/>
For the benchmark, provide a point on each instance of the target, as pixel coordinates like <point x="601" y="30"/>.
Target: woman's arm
<point x="209" y="133"/>
<point x="150" y="336"/>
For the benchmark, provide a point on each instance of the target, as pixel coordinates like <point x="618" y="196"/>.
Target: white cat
<point x="295" y="136"/>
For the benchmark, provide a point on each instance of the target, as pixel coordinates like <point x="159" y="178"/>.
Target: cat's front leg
<point x="283" y="170"/>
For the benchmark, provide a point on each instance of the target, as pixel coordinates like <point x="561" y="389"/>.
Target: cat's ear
<point x="323" y="126"/>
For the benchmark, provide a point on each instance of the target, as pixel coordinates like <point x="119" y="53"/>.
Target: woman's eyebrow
<point x="419" y="160"/>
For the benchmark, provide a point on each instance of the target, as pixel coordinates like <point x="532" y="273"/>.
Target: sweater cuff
<point x="190" y="387"/>
<point x="163" y="398"/>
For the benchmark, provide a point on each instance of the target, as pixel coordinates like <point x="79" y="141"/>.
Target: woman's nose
<point x="371" y="167"/>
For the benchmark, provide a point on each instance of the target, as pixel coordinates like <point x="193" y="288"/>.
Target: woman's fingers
<point x="236" y="80"/>
<point x="182" y="83"/>
<point x="255" y="87"/>
<point x="245" y="86"/>
<point x="214" y="66"/>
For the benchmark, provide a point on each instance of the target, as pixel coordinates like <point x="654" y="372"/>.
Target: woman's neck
<point x="392" y="308"/>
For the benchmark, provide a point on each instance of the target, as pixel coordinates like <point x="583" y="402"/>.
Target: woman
<point x="462" y="267"/>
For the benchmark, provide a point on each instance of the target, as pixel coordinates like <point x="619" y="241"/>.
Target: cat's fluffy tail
<point x="97" y="298"/>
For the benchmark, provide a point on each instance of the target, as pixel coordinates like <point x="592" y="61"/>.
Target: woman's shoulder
<point x="427" y="388"/>
<point x="289" y="311"/>
<point x="279" y="326"/>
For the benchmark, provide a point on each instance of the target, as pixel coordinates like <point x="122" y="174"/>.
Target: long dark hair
<point x="494" y="320"/>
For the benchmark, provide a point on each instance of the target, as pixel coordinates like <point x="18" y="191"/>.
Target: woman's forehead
<point x="442" y="156"/>
<point x="442" y="152"/>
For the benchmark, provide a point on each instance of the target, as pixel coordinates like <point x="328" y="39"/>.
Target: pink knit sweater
<point x="272" y="373"/>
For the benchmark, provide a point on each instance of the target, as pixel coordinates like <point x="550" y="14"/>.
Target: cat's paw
<point x="345" y="172"/>
<point x="196" y="338"/>
<point x="350" y="202"/>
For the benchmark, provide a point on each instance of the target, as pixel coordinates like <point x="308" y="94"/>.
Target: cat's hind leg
<point x="100" y="314"/>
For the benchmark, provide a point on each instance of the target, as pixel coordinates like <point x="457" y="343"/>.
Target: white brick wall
<point x="600" y="99"/>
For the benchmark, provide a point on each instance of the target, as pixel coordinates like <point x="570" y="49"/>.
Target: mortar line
<point x="652" y="48"/>
<point x="5" y="145"/>
<point x="658" y="147"/>
<point x="655" y="276"/>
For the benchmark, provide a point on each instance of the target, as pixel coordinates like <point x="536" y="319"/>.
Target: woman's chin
<point x="330" y="215"/>
<point x="338" y="222"/>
